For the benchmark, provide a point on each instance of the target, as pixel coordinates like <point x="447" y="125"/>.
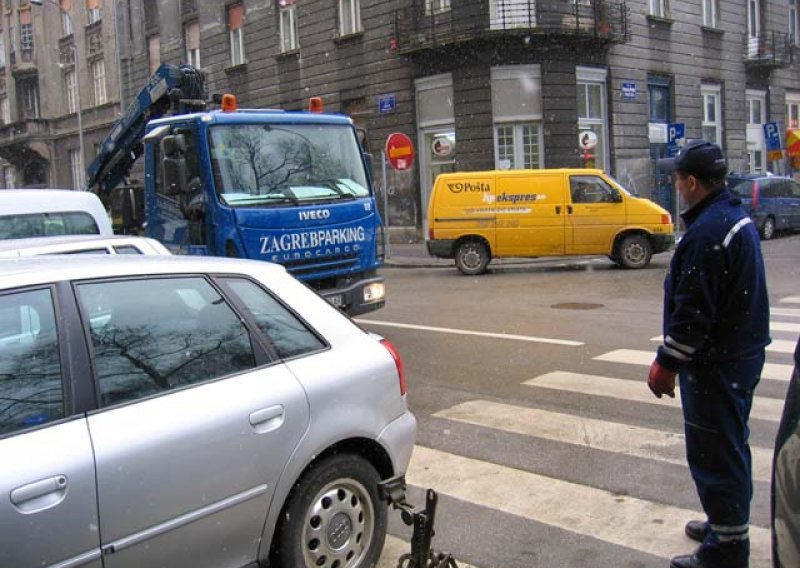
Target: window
<point x="5" y="110"/>
<point x="66" y="20"/>
<point x="349" y="17"/>
<point x="756" y="117"/>
<point x="99" y="81"/>
<point x="592" y="189"/>
<point x="70" y="89"/>
<point x="288" y="21"/>
<point x="76" y="168"/>
<point x="794" y="22"/>
<point x="93" y="11"/>
<point x="30" y="99"/>
<point x="517" y="116"/>
<point x="507" y="14"/>
<point x="8" y="177"/>
<point x="659" y="8"/>
<point x="793" y="110"/>
<point x="235" y="24"/>
<point x="23" y="226"/>
<point x="660" y="105"/>
<point x="592" y="111"/>
<point x="25" y="31"/>
<point x="2" y="49"/>
<point x="192" y="37"/>
<point x="712" y="113"/>
<point x="31" y="389"/>
<point x="710" y="13"/>
<point x="434" y="6"/>
<point x="154" y="52"/>
<point x="285" y="331"/>
<point x="153" y="335"/>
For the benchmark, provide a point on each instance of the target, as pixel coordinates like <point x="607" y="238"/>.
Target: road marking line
<point x="791" y="300"/>
<point x="588" y="432"/>
<point x="395" y="547"/>
<point x="777" y="345"/>
<point x="784" y="326"/>
<point x="764" y="408"/>
<point x="790" y="312"/>
<point x="638" y="524"/>
<point x="771" y="371"/>
<point x="530" y="338"/>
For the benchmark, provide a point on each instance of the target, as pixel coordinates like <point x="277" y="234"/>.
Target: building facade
<point x="476" y="84"/>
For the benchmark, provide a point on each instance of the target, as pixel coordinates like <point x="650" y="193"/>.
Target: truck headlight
<point x="374" y="292"/>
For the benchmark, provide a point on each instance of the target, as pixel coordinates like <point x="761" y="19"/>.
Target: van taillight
<point x="666" y="219"/>
<point x="430" y="233"/>
<point x="401" y="374"/>
<point x="755" y="194"/>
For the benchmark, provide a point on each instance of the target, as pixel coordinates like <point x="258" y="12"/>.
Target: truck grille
<point x="321" y="263"/>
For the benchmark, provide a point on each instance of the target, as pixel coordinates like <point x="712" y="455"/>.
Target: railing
<point x="769" y="49"/>
<point x="420" y="27"/>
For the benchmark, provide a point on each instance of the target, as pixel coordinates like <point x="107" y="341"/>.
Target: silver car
<point x="81" y="244"/>
<point x="166" y="411"/>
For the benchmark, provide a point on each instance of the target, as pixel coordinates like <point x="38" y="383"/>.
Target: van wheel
<point x="472" y="257"/>
<point x="333" y="517"/>
<point x="634" y="251"/>
<point x="768" y="229"/>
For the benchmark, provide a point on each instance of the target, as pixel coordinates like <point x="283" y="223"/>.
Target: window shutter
<point x="235" y="16"/>
<point x="66" y="5"/>
<point x="24" y="17"/>
<point x="193" y="36"/>
<point x="92" y="4"/>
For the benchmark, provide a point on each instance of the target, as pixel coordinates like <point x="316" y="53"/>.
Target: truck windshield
<point x="263" y="164"/>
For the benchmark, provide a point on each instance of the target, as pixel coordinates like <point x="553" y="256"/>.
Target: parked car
<point x="786" y="478"/>
<point x="772" y="201"/>
<point x="183" y="411"/>
<point x="81" y="244"/>
<point x="26" y="213"/>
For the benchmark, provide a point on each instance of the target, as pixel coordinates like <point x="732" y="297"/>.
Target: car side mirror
<point x="175" y="176"/>
<point x="173" y="146"/>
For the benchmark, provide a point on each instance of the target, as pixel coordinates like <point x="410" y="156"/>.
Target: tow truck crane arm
<point x="171" y="90"/>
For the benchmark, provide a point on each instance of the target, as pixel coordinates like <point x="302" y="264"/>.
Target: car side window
<point x="770" y="188"/>
<point x="127" y="249"/>
<point x="153" y="335"/>
<point x="31" y="389"/>
<point x="23" y="226"/>
<point x="592" y="189"/>
<point x="794" y="189"/>
<point x="290" y="336"/>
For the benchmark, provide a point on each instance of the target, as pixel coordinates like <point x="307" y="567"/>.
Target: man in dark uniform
<point x="716" y="326"/>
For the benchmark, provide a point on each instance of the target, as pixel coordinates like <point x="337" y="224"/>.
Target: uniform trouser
<point x="716" y="401"/>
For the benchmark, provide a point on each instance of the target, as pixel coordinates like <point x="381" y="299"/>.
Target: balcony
<point x="23" y="62"/>
<point x="419" y="28"/>
<point x="768" y="50"/>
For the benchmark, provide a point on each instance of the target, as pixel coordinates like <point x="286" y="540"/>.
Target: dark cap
<point x="698" y="158"/>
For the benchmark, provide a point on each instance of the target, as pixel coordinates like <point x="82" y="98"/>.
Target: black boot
<point x="697" y="530"/>
<point x="729" y="555"/>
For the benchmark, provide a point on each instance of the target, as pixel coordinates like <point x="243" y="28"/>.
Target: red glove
<point x="661" y="381"/>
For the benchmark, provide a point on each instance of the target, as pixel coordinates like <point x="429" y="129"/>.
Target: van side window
<point x="772" y="188"/>
<point x="592" y="189"/>
<point x="794" y="189"/>
<point x="153" y="335"/>
<point x="23" y="226"/>
<point x="31" y="390"/>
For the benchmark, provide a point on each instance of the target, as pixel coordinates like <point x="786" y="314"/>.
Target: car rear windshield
<point x="743" y="187"/>
<point x="28" y="225"/>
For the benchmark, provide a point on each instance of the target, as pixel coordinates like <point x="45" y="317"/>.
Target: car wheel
<point x="472" y="258"/>
<point x="334" y="517"/>
<point x="634" y="251"/>
<point x="768" y="229"/>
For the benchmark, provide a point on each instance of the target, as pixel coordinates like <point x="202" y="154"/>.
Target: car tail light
<point x="398" y="361"/>
<point x="666" y="219"/>
<point x="430" y="233"/>
<point x="755" y="195"/>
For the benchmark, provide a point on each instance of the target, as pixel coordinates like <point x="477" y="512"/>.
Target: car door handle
<point x="569" y="209"/>
<point x="558" y="209"/>
<point x="267" y="419"/>
<point x="40" y="495"/>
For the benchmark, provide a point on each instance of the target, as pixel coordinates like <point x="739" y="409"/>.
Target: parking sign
<point x="772" y="139"/>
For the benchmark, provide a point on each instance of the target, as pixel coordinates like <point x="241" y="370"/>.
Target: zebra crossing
<point x="610" y="518"/>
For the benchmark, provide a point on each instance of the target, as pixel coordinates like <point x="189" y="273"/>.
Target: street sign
<point x="772" y="140"/>
<point x="587" y="139"/>
<point x="387" y="104"/>
<point x="676" y="137"/>
<point x="400" y="151"/>
<point x="629" y="91"/>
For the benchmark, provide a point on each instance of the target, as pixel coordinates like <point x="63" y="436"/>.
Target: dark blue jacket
<point x="715" y="294"/>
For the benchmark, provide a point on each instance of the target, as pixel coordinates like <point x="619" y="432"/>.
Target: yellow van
<point x="476" y="216"/>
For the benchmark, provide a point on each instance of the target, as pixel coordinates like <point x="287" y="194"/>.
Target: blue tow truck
<point x="285" y="187"/>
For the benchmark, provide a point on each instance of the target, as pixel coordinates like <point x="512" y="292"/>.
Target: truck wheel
<point x="472" y="257"/>
<point x="768" y="229"/>
<point x="334" y="517"/>
<point x="634" y="251"/>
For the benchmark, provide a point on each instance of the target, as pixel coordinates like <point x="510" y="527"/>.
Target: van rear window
<point x="741" y="187"/>
<point x="29" y="225"/>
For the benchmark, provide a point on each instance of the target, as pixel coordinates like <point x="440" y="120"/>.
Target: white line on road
<point x="771" y="371"/>
<point x="777" y="345"/>
<point x="791" y="300"/>
<point x="588" y="432"/>
<point x="638" y="524"/>
<point x="784" y="326"/>
<point x="636" y="391"/>
<point x="789" y="312"/>
<point x="530" y="338"/>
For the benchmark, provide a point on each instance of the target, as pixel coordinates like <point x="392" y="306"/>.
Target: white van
<point x="27" y="213"/>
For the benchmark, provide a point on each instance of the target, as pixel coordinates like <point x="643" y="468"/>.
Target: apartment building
<point x="476" y="84"/>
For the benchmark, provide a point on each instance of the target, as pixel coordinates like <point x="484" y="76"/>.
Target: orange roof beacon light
<point x="315" y="104"/>
<point x="228" y="102"/>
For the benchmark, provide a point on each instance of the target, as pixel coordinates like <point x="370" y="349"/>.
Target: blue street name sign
<point x="628" y="90"/>
<point x="387" y="104"/>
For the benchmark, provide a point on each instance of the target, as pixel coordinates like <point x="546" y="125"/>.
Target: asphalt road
<point x="535" y="424"/>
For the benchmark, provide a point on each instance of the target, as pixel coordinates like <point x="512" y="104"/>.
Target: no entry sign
<point x="400" y="151"/>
